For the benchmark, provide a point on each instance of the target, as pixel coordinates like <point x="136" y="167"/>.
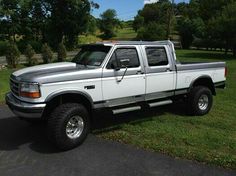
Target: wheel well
<point x="67" y="98"/>
<point x="205" y="81"/>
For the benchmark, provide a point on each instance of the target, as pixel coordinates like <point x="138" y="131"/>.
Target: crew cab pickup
<point x="117" y="76"/>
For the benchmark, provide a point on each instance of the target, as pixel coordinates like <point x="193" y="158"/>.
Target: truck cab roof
<point x="164" y="42"/>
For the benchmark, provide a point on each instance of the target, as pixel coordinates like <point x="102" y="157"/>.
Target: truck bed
<point x="199" y="65"/>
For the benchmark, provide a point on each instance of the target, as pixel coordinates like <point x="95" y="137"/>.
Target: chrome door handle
<point x="139" y="72"/>
<point x="168" y="70"/>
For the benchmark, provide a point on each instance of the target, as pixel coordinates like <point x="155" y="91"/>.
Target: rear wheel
<point x="200" y="101"/>
<point x="68" y="126"/>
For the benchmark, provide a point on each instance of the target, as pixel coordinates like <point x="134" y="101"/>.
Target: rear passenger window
<point x="123" y="54"/>
<point x="156" y="56"/>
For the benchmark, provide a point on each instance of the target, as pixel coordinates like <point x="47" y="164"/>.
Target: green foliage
<point x="10" y="24"/>
<point x="47" y="53"/>
<point x="186" y="31"/>
<point x="29" y="53"/>
<point x="138" y="22"/>
<point x="224" y="26"/>
<point x="108" y="23"/>
<point x="3" y="47"/>
<point x="61" y="52"/>
<point x="68" y="19"/>
<point x="158" y="14"/>
<point x="207" y="22"/>
<point x="45" y="21"/>
<point x="12" y="55"/>
<point x="92" y="25"/>
<point x="36" y="45"/>
<point x="152" y="32"/>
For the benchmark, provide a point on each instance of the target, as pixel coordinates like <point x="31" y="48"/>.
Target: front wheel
<point x="200" y="101"/>
<point x="68" y="125"/>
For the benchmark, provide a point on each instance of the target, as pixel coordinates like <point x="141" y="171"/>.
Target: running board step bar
<point x="123" y="110"/>
<point x="160" y="103"/>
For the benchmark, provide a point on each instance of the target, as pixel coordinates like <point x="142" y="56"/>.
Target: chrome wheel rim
<point x="203" y="102"/>
<point x="75" y="127"/>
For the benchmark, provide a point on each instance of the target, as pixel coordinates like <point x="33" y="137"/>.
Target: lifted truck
<point x="121" y="77"/>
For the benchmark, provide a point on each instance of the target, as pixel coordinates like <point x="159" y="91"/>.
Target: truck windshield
<point x="91" y="55"/>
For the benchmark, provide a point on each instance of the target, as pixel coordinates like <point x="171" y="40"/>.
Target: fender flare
<point x="203" y="77"/>
<point x="62" y="92"/>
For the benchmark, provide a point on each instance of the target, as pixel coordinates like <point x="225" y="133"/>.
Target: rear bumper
<point x="23" y="109"/>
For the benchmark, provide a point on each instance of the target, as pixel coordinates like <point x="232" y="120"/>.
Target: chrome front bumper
<point x="23" y="109"/>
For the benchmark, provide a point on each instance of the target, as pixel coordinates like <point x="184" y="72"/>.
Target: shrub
<point x="47" y="53"/>
<point x="36" y="45"/>
<point x="3" y="47"/>
<point x="12" y="55"/>
<point x="61" y="52"/>
<point x="29" y="53"/>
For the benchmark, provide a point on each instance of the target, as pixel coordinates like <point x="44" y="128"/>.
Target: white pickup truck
<point x="117" y="76"/>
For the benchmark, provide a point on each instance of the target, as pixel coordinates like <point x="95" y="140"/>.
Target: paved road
<point x="24" y="151"/>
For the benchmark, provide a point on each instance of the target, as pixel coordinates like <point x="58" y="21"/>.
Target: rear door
<point x="132" y="87"/>
<point x="160" y="72"/>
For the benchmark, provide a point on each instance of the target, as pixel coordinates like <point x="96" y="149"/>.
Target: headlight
<point x="30" y="90"/>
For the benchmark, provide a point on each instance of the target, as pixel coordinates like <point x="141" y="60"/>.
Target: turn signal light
<point x="30" y="94"/>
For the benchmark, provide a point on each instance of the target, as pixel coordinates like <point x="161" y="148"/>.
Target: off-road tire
<point x="194" y="98"/>
<point x="58" y="121"/>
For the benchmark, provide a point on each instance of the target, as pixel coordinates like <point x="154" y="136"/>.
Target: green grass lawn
<point x="4" y="82"/>
<point x="210" y="139"/>
<point x="127" y="33"/>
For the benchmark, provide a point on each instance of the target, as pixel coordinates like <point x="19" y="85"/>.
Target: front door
<point x="124" y="86"/>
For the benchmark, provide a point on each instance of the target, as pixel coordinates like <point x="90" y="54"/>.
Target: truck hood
<point x="56" y="72"/>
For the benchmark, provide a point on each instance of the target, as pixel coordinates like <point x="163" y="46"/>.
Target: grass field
<point x="127" y="33"/>
<point x="210" y="139"/>
<point x="4" y="82"/>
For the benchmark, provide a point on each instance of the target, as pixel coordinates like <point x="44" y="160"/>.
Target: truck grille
<point x="14" y="85"/>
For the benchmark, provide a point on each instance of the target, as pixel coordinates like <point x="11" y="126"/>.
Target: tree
<point x="160" y="13"/>
<point x="12" y="55"/>
<point x="9" y="16"/>
<point x="138" y="22"/>
<point x="153" y="31"/>
<point x="47" y="53"/>
<point x="186" y="31"/>
<point x="29" y="53"/>
<point x="91" y="25"/>
<point x="39" y="19"/>
<point x="108" y="23"/>
<point x="224" y="26"/>
<point x="61" y="52"/>
<point x="68" y="19"/>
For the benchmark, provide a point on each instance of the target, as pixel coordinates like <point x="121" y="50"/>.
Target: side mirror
<point x="114" y="65"/>
<point x="124" y="63"/>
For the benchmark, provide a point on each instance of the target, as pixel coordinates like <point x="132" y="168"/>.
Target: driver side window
<point x="123" y="54"/>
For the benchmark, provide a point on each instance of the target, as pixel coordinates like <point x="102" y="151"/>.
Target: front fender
<point x="64" y="91"/>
